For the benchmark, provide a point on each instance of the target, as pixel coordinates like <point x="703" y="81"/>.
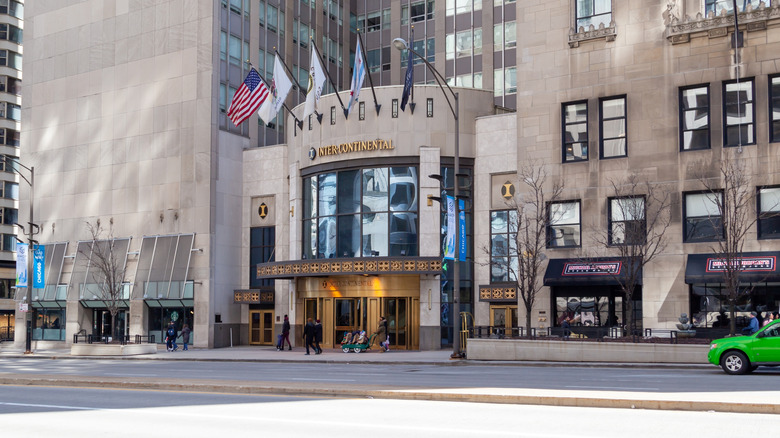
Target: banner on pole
<point x="449" y="238"/>
<point x="21" y="264"/>
<point x="462" y="230"/>
<point x="39" y="267"/>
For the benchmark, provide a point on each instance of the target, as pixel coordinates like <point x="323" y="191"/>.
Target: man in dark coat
<point x="317" y="337"/>
<point x="286" y="333"/>
<point x="171" y="334"/>
<point x="308" y="335"/>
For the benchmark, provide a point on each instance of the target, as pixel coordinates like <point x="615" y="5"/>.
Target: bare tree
<point x="522" y="257"/>
<point x="106" y="258"/>
<point x="639" y="216"/>
<point x="734" y="199"/>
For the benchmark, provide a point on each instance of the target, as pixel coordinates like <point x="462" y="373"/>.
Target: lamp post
<point x="401" y="45"/>
<point x="30" y="249"/>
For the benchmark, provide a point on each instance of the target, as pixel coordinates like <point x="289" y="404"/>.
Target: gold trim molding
<point x="363" y="266"/>
<point x="498" y="293"/>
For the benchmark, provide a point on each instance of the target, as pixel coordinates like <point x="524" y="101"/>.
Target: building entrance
<point x="503" y="319"/>
<point x="261" y="327"/>
<point x="102" y="323"/>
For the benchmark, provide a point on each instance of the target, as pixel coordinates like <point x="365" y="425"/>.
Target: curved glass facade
<point x="368" y="212"/>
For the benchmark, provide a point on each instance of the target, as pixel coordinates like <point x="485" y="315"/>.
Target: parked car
<point x="743" y="354"/>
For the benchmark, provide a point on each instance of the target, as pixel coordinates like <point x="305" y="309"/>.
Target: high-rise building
<point x="11" y="26"/>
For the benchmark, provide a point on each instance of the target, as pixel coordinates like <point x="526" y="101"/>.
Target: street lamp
<point x="30" y="249"/>
<point x="401" y="45"/>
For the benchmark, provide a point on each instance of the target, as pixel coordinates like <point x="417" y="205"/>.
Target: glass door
<point x="346" y="317"/>
<point x="502" y="320"/>
<point x="261" y="327"/>
<point x="396" y="312"/>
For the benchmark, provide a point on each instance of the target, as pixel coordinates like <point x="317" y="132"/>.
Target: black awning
<point x="757" y="267"/>
<point x="600" y="271"/>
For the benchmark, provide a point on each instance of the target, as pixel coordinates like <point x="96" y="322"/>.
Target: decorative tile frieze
<point x="498" y="293"/>
<point x="253" y="296"/>
<point x="373" y="265"/>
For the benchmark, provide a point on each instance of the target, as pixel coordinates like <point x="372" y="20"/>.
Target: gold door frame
<point x="261" y="330"/>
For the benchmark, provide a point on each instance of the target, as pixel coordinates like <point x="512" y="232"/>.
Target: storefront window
<point x="710" y="304"/>
<point x="370" y="212"/>
<point x="49" y="324"/>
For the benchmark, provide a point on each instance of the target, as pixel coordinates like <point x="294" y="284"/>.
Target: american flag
<point x="248" y="98"/>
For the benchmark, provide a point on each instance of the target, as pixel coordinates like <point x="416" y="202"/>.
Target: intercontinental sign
<point x="346" y="148"/>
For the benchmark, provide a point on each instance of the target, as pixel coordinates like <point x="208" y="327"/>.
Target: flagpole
<point x="327" y="73"/>
<point x="368" y="72"/>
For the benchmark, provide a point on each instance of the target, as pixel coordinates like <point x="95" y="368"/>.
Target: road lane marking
<point x="323" y="380"/>
<point x="624" y="388"/>
<point x="32" y="405"/>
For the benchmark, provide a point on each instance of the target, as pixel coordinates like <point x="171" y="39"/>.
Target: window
<point x="10" y="111"/>
<point x="262" y="243"/>
<point x="504" y="36"/>
<point x="10" y="33"/>
<point x="360" y="213"/>
<point x="374" y="60"/>
<point x="774" y="108"/>
<point x="304" y="36"/>
<point x="563" y="224"/>
<point x="234" y="50"/>
<point x="503" y="246"/>
<point x="261" y="13"/>
<point x="373" y="21"/>
<point x="703" y="221"/>
<point x="627" y="221"/>
<point x="10" y="215"/>
<point x="10" y="59"/>
<point x="272" y="18"/>
<point x="575" y="131"/>
<point x="739" y="119"/>
<point x="769" y="213"/>
<point x="9" y="137"/>
<point x="613" y="127"/>
<point x="12" y="7"/>
<point x="718" y="6"/>
<point x="11" y="85"/>
<point x="222" y="98"/>
<point x="419" y="12"/>
<point x="695" y="117"/>
<point x="10" y="190"/>
<point x="593" y="12"/>
<point x="9" y="244"/>
<point x="223" y="49"/>
<point x="510" y="80"/>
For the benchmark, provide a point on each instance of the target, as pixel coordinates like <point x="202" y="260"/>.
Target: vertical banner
<point x="21" y="264"/>
<point x="39" y="267"/>
<point x="462" y="230"/>
<point x="449" y="238"/>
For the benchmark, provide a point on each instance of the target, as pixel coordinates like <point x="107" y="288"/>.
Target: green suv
<point x="743" y="354"/>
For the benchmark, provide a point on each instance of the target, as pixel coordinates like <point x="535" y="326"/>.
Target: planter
<point x="112" y="349"/>
<point x="577" y="351"/>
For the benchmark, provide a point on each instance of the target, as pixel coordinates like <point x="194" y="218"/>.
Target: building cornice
<point x="680" y="29"/>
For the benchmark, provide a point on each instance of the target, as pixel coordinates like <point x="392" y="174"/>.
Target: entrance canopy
<point x="756" y="267"/>
<point x="599" y="271"/>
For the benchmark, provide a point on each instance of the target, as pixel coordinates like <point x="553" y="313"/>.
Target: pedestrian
<point x="566" y="327"/>
<point x="185" y="336"/>
<point x="752" y="326"/>
<point x="308" y="335"/>
<point x="317" y="337"/>
<point x="171" y="337"/>
<point x="285" y="334"/>
<point x="381" y="335"/>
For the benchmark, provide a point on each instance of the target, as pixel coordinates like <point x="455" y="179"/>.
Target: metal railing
<point x="102" y="339"/>
<point x="597" y="334"/>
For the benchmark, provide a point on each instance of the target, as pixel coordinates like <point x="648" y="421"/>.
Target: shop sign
<point x="600" y="268"/>
<point x="351" y="147"/>
<point x="745" y="264"/>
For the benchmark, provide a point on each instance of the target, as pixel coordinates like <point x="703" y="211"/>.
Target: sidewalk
<point x="721" y="401"/>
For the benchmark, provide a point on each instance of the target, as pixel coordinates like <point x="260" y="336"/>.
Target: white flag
<point x="316" y="79"/>
<point x="358" y="75"/>
<point x="280" y="87"/>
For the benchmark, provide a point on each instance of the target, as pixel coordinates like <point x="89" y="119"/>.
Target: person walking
<point x="317" y="337"/>
<point x="171" y="337"/>
<point x="185" y="336"/>
<point x="752" y="325"/>
<point x="285" y="334"/>
<point x="308" y="335"/>
<point x="381" y="335"/>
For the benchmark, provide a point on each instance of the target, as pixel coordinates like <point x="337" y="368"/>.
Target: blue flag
<point x="408" y="81"/>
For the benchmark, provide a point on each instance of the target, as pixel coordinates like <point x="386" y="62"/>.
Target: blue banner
<point x="462" y="230"/>
<point x="449" y="238"/>
<point x="39" y="267"/>
<point x="21" y="264"/>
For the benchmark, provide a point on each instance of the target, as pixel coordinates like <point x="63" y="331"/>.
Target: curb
<point x="525" y="397"/>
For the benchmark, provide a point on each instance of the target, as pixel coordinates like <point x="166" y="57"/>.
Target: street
<point x="655" y="379"/>
<point x="74" y="412"/>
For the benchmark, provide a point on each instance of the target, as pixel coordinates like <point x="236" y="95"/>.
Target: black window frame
<point x="683" y="110"/>
<point x="510" y="234"/>
<point x="641" y="222"/>
<point x="774" y="125"/>
<point x="763" y="218"/>
<point x="262" y="249"/>
<point x="751" y="102"/>
<point x="549" y="226"/>
<point x="564" y="142"/>
<point x="602" y="119"/>
<point x="719" y="224"/>
<point x="593" y="14"/>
